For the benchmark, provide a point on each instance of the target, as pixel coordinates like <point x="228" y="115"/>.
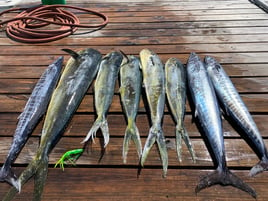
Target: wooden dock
<point x="233" y="31"/>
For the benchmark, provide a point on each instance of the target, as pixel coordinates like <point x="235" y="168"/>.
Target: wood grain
<point x="232" y="31"/>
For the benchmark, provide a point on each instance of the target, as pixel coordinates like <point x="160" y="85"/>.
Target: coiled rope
<point x="29" y="26"/>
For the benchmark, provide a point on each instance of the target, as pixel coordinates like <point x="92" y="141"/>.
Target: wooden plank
<point x="223" y="58"/>
<point x="233" y="31"/>
<point x="233" y="70"/>
<point x="16" y="103"/>
<point x="238" y="153"/>
<point x="110" y="184"/>
<point x="25" y="86"/>
<point x="81" y="123"/>
<point x="142" y="40"/>
<point x="159" y="48"/>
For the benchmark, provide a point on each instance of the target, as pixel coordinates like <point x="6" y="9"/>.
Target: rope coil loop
<point x="25" y="27"/>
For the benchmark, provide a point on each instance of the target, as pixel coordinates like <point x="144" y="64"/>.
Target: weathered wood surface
<point x="233" y="31"/>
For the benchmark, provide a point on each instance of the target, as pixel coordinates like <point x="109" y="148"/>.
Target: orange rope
<point x="24" y="27"/>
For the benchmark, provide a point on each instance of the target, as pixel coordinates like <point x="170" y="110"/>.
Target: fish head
<point x="88" y="55"/>
<point x="194" y="63"/>
<point x="113" y="58"/>
<point x="55" y="67"/>
<point x="173" y="63"/>
<point x="149" y="59"/>
<point x="212" y="66"/>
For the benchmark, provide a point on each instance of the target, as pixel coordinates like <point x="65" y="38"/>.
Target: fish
<point x="103" y="94"/>
<point x="236" y="109"/>
<point x="208" y="112"/>
<point x="130" y="91"/>
<point x="175" y="85"/>
<point x="154" y="84"/>
<point x="34" y="109"/>
<point x="78" y="74"/>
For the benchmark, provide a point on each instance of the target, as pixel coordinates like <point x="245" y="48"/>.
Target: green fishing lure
<point x="70" y="156"/>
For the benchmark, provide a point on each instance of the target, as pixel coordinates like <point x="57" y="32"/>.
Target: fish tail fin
<point x="100" y="123"/>
<point x="181" y="133"/>
<point x="35" y="167"/>
<point x="7" y="175"/>
<point x="225" y="178"/>
<point x="156" y="134"/>
<point x="40" y="180"/>
<point x="131" y="133"/>
<point x="261" y="166"/>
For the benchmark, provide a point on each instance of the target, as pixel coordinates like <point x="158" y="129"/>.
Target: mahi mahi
<point x="130" y="89"/>
<point x="104" y="91"/>
<point x="34" y="109"/>
<point x="235" y="107"/>
<point x="79" y="72"/>
<point x="176" y="95"/>
<point x="208" y="113"/>
<point x="154" y="83"/>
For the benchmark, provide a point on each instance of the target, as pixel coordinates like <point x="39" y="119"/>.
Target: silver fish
<point x="176" y="95"/>
<point x="34" y="109"/>
<point x="154" y="83"/>
<point x="130" y="90"/>
<point x="207" y="111"/>
<point x="104" y="91"/>
<point x="236" y="108"/>
<point x="79" y="72"/>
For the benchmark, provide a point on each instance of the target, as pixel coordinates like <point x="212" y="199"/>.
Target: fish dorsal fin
<point x="74" y="54"/>
<point x="125" y="56"/>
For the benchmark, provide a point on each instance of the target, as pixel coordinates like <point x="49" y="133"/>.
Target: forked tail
<point x="181" y="133"/>
<point x="100" y="123"/>
<point x="131" y="133"/>
<point x="225" y="178"/>
<point x="157" y="135"/>
<point x="7" y="175"/>
<point x="259" y="167"/>
<point x="37" y="168"/>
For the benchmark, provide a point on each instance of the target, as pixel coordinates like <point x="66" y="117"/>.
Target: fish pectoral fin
<point x="224" y="178"/>
<point x="195" y="113"/>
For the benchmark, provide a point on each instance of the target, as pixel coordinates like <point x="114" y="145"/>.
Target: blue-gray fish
<point x="79" y="72"/>
<point x="104" y="91"/>
<point x="130" y="90"/>
<point x="208" y="113"/>
<point x="236" y="108"/>
<point x="154" y="83"/>
<point x="34" y="109"/>
<point x="176" y="95"/>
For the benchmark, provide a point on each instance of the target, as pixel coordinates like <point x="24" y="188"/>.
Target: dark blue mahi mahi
<point x="34" y="109"/>
<point x="237" y="109"/>
<point x="79" y="72"/>
<point x="207" y="111"/>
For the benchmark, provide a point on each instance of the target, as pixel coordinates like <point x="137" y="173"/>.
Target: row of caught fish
<point x="159" y="80"/>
